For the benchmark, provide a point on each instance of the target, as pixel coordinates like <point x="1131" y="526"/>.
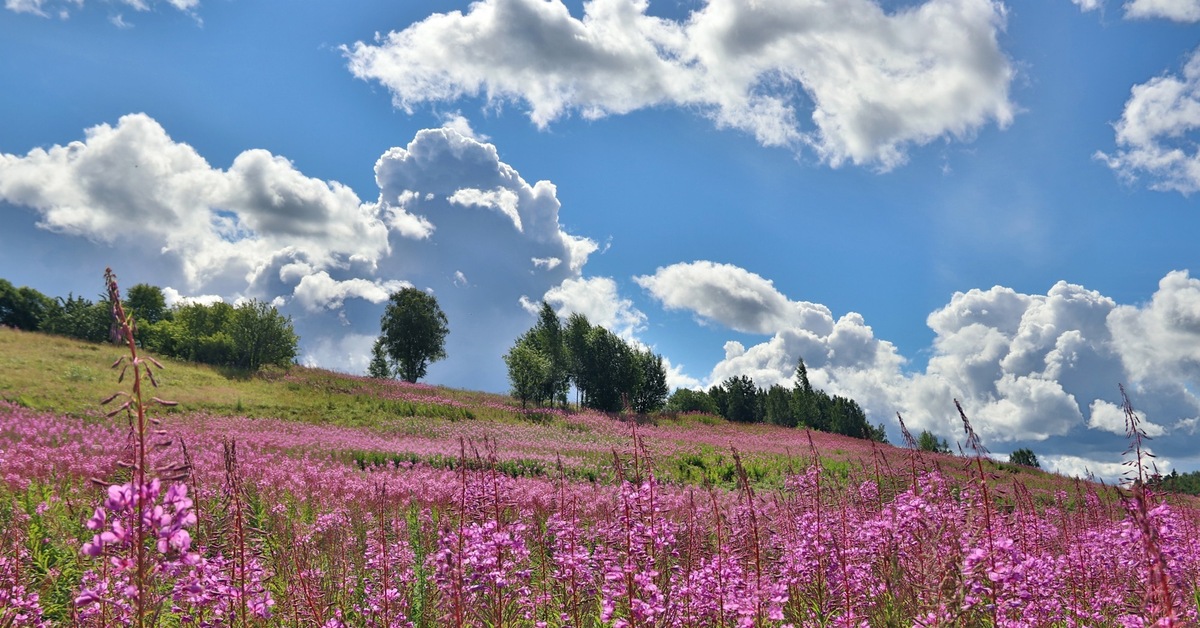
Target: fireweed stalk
<point x="1146" y="520"/>
<point x="137" y="513"/>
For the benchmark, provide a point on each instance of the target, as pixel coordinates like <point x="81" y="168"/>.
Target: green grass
<point x="63" y="375"/>
<point x="67" y="376"/>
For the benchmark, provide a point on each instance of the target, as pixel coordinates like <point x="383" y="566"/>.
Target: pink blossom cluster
<point x="329" y="544"/>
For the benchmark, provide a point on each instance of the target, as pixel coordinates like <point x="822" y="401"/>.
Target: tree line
<point x="249" y="335"/>
<point x="608" y="373"/>
<point x="738" y="399"/>
<point x="1175" y="482"/>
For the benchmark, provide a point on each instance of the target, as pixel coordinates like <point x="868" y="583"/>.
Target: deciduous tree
<point x="928" y="442"/>
<point x="146" y="303"/>
<point x="261" y="336"/>
<point x="650" y="390"/>
<point x="528" y="370"/>
<point x="24" y="307"/>
<point x="1024" y="457"/>
<point x="413" y="329"/>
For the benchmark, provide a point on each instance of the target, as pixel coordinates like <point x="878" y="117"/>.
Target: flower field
<point x="384" y="504"/>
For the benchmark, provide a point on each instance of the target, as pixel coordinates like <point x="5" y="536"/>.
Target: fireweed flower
<point x="18" y="605"/>
<point x="387" y="576"/>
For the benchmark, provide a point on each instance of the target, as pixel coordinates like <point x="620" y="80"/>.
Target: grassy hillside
<point x="425" y="423"/>
<point x="310" y="498"/>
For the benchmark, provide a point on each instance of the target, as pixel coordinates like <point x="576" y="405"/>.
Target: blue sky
<point x="926" y="201"/>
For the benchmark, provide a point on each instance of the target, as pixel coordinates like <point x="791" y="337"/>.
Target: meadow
<point x="303" y="497"/>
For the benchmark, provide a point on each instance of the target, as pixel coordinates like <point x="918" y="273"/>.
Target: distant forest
<point x="249" y="335"/>
<point x="1176" y="482"/>
<point x="738" y="399"/>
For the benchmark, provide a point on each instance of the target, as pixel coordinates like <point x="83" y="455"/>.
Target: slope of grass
<point x="67" y="376"/>
<point x="345" y="501"/>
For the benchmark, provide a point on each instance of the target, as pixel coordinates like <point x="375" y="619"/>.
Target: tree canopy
<point x="23" y="308"/>
<point x="740" y="400"/>
<point x="927" y="441"/>
<point x="413" y="332"/>
<point x="607" y="371"/>
<point x="1024" y="457"/>
<point x="252" y="335"/>
<point x="147" y="303"/>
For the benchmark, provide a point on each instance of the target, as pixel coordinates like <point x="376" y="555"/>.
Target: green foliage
<point x="778" y="404"/>
<point x="737" y="399"/>
<point x="1176" y="482"/>
<point x="528" y="371"/>
<point x="146" y="303"/>
<point x="650" y="390"/>
<point x="846" y="417"/>
<point x="379" y="368"/>
<point x="250" y="336"/>
<point x="261" y="336"/>
<point x="217" y="349"/>
<point x="547" y="338"/>
<point x="1024" y="457"/>
<point x="193" y="332"/>
<point x="80" y="318"/>
<point x="688" y="400"/>
<point x="609" y="371"/>
<point x="575" y="337"/>
<point x="538" y="364"/>
<point x="24" y="307"/>
<point x="413" y="330"/>
<point x="928" y="442"/>
<point x="606" y="370"/>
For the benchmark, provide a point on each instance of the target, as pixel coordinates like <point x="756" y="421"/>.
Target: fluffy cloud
<point x="351" y="352"/>
<point x="486" y="227"/>
<point x="172" y="297"/>
<point x="1027" y="368"/>
<point x="731" y="296"/>
<point x="873" y="82"/>
<point x="448" y="209"/>
<point x="1079" y="467"/>
<point x="132" y="185"/>
<point x="1177" y="10"/>
<point x="319" y="290"/>
<point x="1087" y="5"/>
<point x="1162" y="338"/>
<point x="1153" y="134"/>
<point x="1111" y="418"/>
<point x="840" y="353"/>
<point x="598" y="299"/>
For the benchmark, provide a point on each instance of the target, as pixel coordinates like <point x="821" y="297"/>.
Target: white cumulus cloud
<point x="870" y="82"/>
<point x="320" y="291"/>
<point x="731" y="296"/>
<point x="599" y="300"/>
<point x="131" y="184"/>
<point x="1028" y="368"/>
<point x="500" y="199"/>
<point x="448" y="209"/>
<point x="1156" y="135"/>
<point x="1176" y="10"/>
<point x="172" y="297"/>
